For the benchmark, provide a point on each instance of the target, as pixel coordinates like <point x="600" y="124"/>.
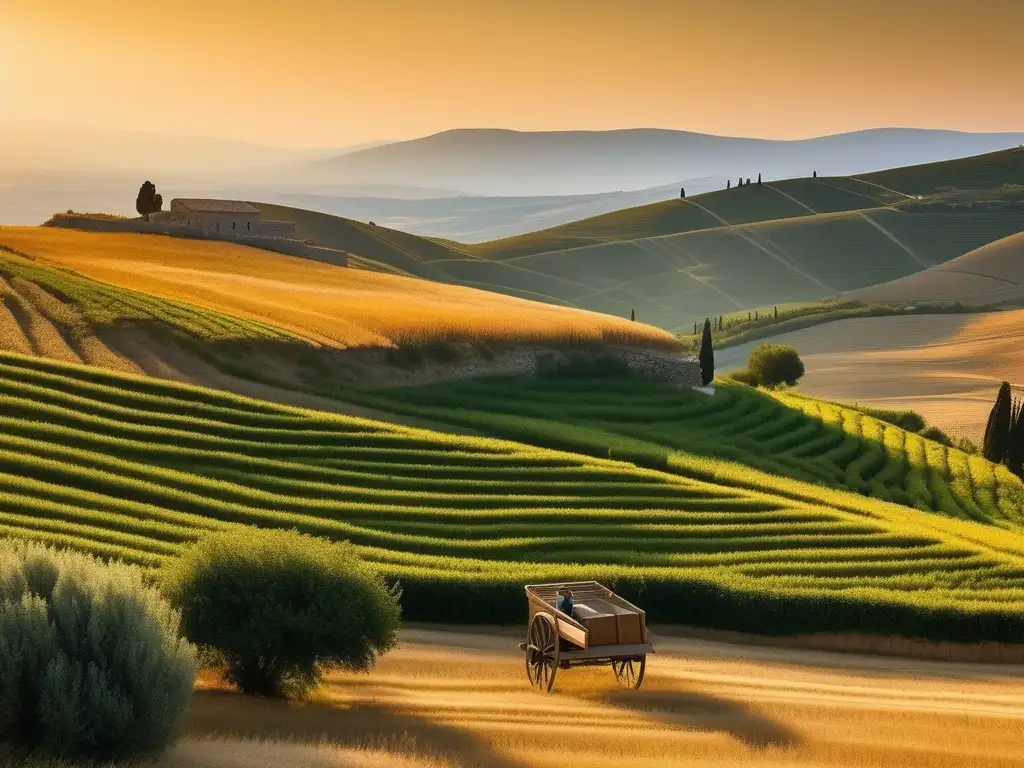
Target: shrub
<point x="775" y="364"/>
<point x="936" y="434"/>
<point x="282" y="607"/>
<point x="92" y="666"/>
<point x="743" y="376"/>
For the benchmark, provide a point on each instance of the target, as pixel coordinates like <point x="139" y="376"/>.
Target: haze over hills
<point x="676" y="261"/>
<point x="503" y="162"/>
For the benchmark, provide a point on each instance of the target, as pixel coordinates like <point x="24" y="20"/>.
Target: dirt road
<point x="460" y="699"/>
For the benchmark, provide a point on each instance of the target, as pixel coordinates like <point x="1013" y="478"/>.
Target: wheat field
<point x="328" y="305"/>
<point x="448" y="699"/>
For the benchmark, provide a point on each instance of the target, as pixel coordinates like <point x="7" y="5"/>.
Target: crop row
<point x="133" y="468"/>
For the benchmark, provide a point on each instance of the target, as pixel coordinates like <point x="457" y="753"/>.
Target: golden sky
<point x="311" y="73"/>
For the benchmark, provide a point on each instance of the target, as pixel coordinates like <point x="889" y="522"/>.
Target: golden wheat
<point x="333" y="306"/>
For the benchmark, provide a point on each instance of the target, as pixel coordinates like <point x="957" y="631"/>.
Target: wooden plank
<point x="608" y="651"/>
<point x="572" y="631"/>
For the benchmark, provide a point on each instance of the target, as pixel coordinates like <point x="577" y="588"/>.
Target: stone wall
<point x="676" y="370"/>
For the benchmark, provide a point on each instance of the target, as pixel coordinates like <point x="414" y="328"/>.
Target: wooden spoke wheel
<point x="629" y="673"/>
<point x="542" y="651"/>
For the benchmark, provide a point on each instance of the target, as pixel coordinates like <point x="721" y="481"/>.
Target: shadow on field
<point x="221" y="713"/>
<point x="701" y="712"/>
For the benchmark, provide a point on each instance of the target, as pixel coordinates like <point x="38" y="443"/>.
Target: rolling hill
<point x="946" y="367"/>
<point x="679" y="260"/>
<point x="130" y="467"/>
<point x="502" y="162"/>
<point x="992" y="274"/>
<point x="292" y="297"/>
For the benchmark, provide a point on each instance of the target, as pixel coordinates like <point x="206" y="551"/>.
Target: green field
<point x="131" y="467"/>
<point x="791" y="240"/>
<point x="780" y="434"/>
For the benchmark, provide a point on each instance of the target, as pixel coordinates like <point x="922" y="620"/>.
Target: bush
<point x="743" y="376"/>
<point x="282" y="607"/>
<point x="92" y="666"/>
<point x="775" y="364"/>
<point x="936" y="434"/>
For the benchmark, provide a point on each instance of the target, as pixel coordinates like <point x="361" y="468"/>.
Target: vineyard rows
<point x="132" y="468"/>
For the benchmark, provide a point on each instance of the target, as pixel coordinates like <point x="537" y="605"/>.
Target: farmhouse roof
<point x="200" y="205"/>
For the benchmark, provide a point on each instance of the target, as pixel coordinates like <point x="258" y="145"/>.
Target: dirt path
<point x="462" y="697"/>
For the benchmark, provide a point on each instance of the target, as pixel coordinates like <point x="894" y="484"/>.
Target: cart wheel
<point x="629" y="673"/>
<point x="542" y="651"/>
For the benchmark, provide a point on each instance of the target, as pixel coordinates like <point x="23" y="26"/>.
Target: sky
<point x="331" y="73"/>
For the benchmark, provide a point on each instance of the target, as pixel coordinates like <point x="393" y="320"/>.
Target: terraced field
<point x="131" y="467"/>
<point x="782" y="434"/>
<point x="673" y="262"/>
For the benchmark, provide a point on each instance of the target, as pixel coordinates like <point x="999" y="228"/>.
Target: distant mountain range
<point x="513" y="163"/>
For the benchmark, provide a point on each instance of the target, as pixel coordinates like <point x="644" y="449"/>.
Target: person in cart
<point x="565" y="600"/>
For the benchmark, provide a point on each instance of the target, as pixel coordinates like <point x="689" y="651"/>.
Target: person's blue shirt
<point x="565" y="604"/>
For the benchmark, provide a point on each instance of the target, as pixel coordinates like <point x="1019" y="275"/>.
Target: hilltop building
<point x="225" y="217"/>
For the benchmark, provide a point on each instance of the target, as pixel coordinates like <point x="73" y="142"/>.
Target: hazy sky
<point x="332" y="72"/>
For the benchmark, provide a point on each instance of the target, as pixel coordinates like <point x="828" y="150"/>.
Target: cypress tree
<point x="682" y="192"/>
<point x="756" y="318"/>
<point x="815" y="174"/>
<point x="740" y="184"/>
<point x="694" y="327"/>
<point x="997" y="431"/>
<point x="707" y="355"/>
<point x="748" y="316"/>
<point x="728" y="185"/>
<point x="759" y="179"/>
<point x="1015" y="442"/>
<point x="776" y="311"/>
<point x="632" y="315"/>
<point x="721" y="323"/>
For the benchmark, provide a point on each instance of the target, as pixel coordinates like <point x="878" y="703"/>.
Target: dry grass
<point x="460" y="700"/>
<point x="990" y="275"/>
<point x="329" y="305"/>
<point x="946" y="367"/>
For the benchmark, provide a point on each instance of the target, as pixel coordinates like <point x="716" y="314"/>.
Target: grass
<point x="130" y="467"/>
<point x="781" y="434"/>
<point x="299" y="298"/>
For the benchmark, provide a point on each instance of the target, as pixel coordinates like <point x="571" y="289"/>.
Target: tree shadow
<point x="701" y="712"/>
<point x="224" y="713"/>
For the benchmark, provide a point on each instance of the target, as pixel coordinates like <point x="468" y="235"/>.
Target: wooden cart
<point x="556" y="640"/>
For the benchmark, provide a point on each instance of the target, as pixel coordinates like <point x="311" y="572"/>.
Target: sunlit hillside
<point x="133" y="468"/>
<point x="992" y="274"/>
<point x="324" y="304"/>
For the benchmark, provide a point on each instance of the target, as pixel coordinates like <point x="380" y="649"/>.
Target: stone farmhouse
<point x="226" y="217"/>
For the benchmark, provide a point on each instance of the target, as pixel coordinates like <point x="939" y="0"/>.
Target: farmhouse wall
<point x="278" y="229"/>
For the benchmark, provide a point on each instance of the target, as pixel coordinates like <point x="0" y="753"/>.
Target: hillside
<point x="787" y="437"/>
<point x="503" y="162"/>
<point x="680" y="260"/>
<point x="946" y="367"/>
<point x="131" y="467"/>
<point x="298" y="298"/>
<point x="990" y="275"/>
